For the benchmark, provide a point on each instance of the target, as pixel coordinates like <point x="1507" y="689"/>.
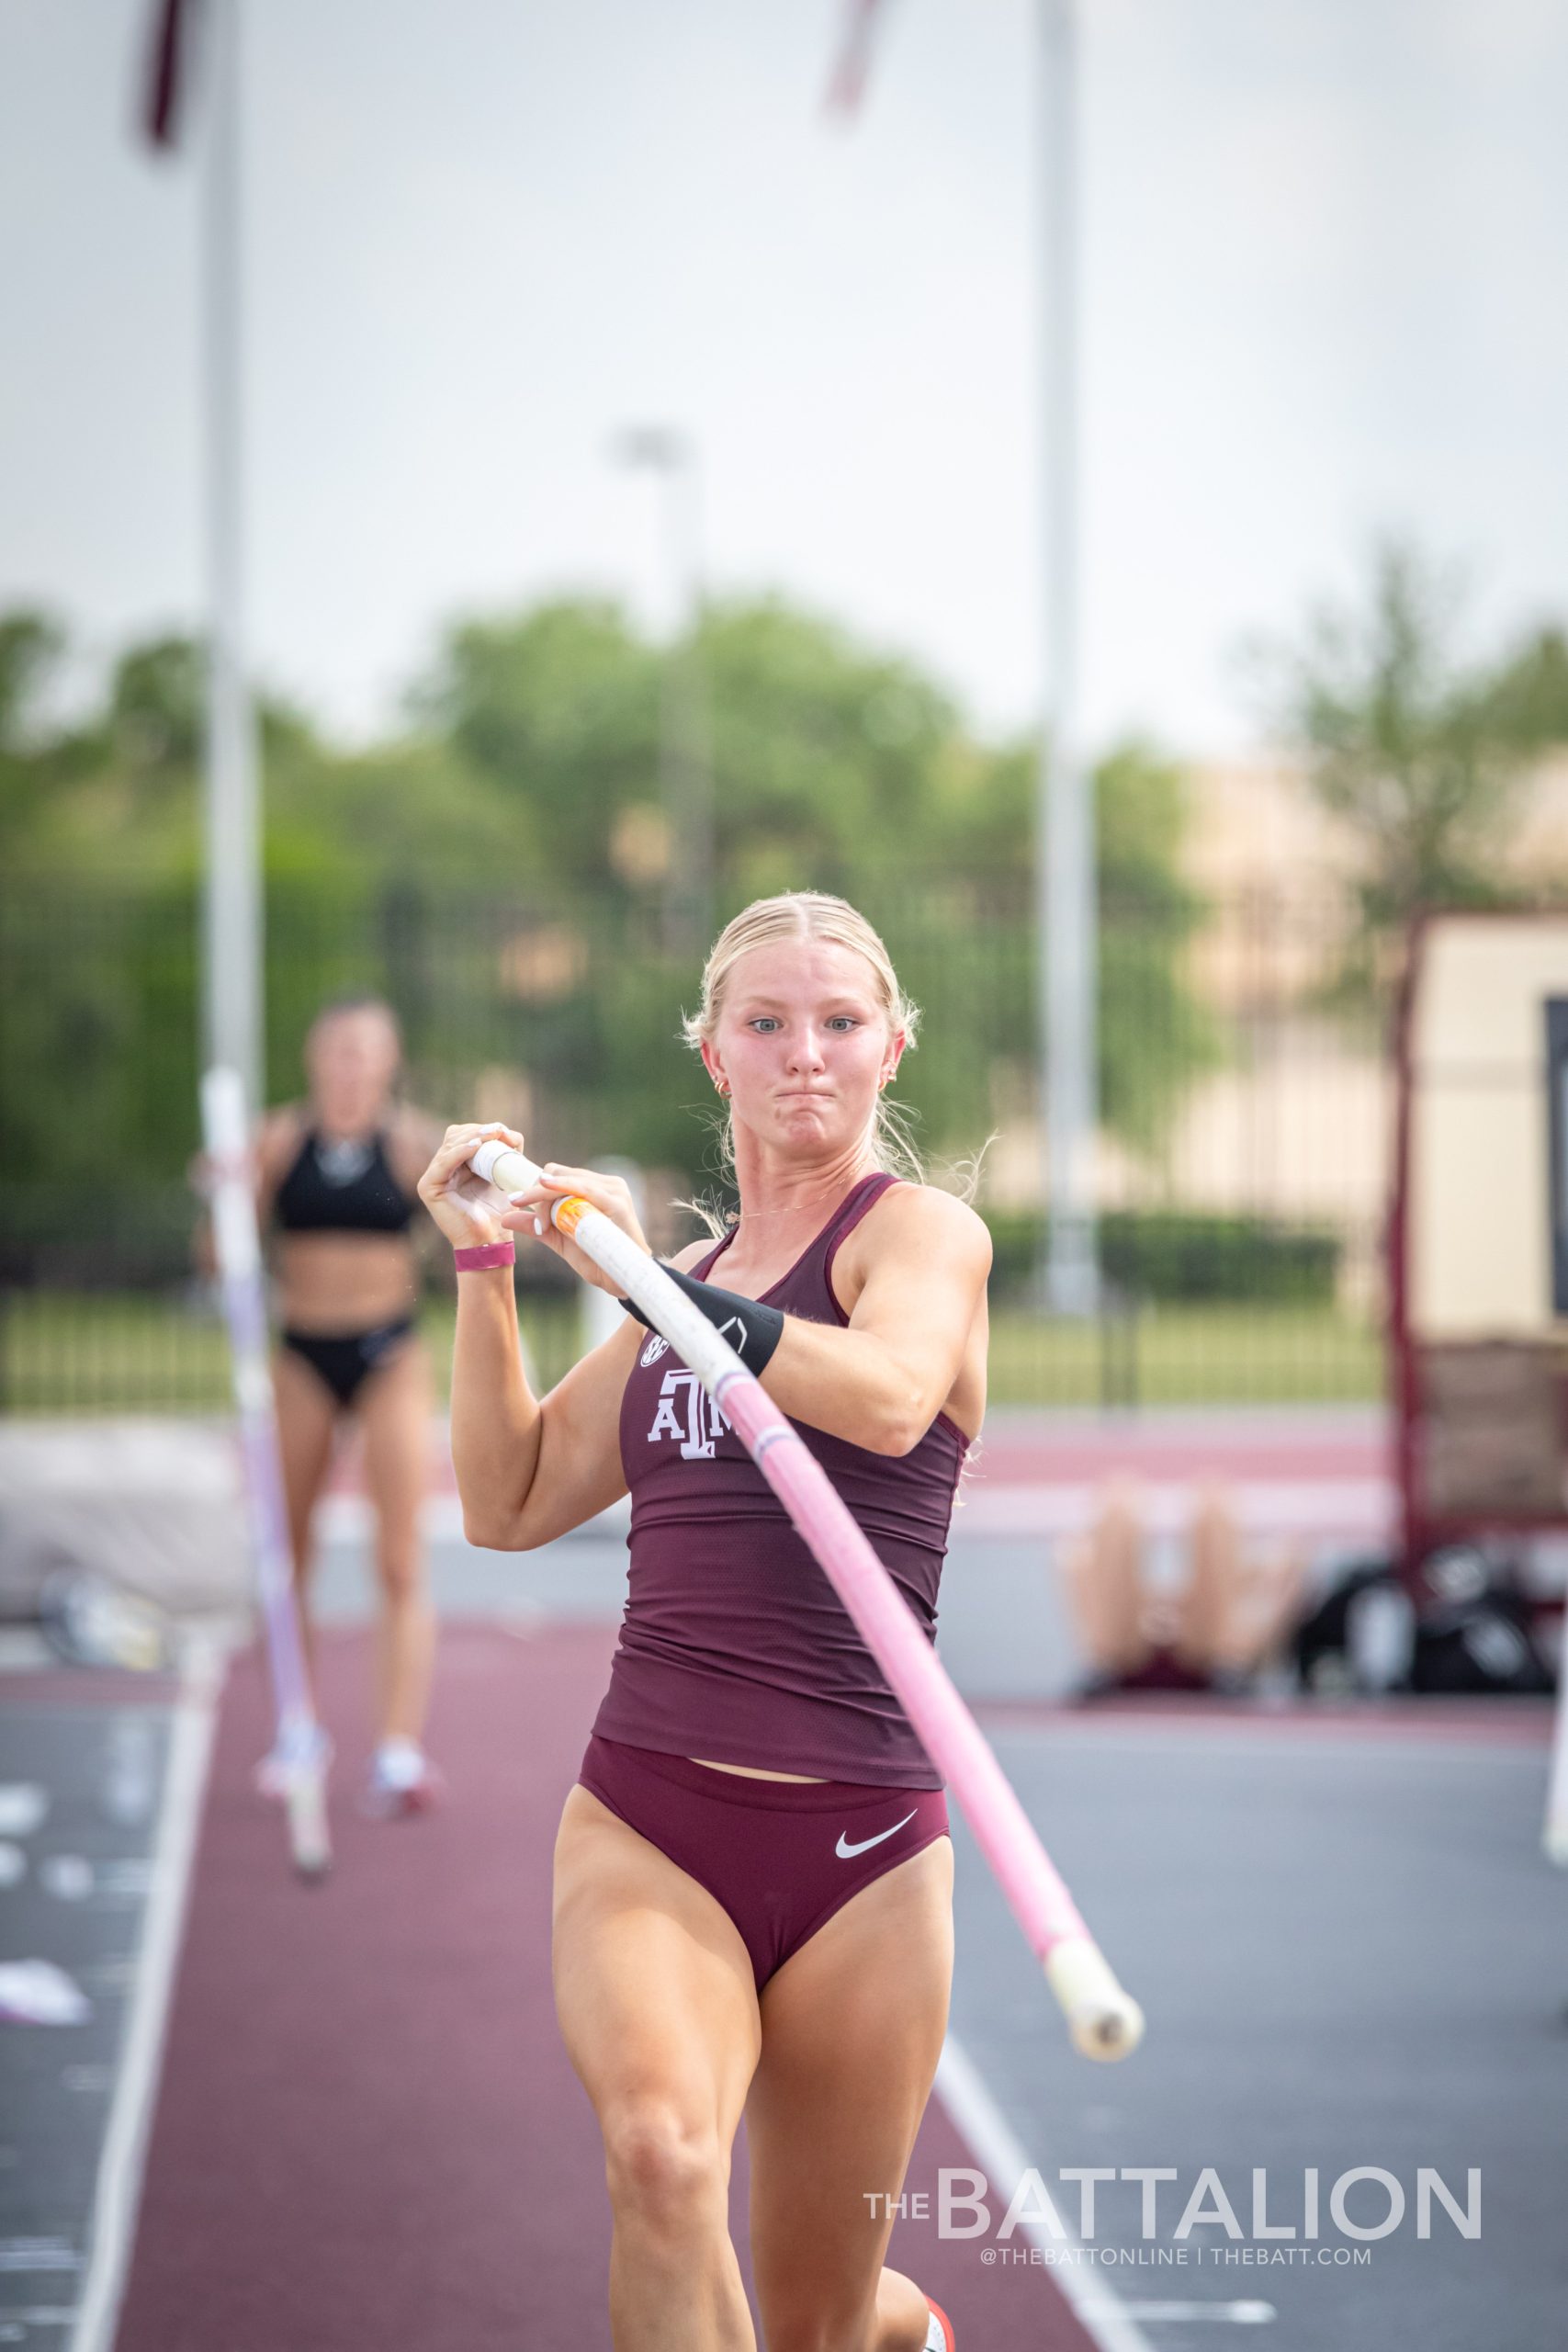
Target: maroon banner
<point x="847" y="87"/>
<point x="169" y="69"/>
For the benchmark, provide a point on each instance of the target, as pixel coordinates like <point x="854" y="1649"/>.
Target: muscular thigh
<point x="307" y="1423"/>
<point x="394" y="1407"/>
<point x="653" y="1987"/>
<point x="852" y="2026"/>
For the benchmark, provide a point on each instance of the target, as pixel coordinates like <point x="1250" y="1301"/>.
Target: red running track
<point x="366" y="2131"/>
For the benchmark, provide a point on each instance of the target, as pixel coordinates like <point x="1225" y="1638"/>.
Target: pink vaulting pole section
<point x="1002" y="1829"/>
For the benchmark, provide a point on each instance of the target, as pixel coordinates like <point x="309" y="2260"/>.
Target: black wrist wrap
<point x="752" y="1329"/>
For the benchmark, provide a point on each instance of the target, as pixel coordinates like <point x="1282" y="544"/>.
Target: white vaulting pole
<point x="1104" y="2022"/>
<point x="300" y="1748"/>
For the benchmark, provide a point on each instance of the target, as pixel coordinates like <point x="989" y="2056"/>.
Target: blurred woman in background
<point x="336" y="1177"/>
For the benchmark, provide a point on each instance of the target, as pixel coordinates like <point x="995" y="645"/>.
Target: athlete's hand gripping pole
<point x="1105" y="2022"/>
<point x="301" y="1746"/>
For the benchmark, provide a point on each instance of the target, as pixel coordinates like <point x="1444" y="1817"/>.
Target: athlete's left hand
<point x="607" y="1192"/>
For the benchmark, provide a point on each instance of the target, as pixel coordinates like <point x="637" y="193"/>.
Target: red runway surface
<point x="367" y="2132"/>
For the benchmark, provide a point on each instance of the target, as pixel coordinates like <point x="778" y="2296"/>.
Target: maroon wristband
<point x="486" y="1254"/>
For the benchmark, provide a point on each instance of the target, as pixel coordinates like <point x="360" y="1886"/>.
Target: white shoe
<point x="274" y="1776"/>
<point x="939" y="2336"/>
<point x="402" y="1781"/>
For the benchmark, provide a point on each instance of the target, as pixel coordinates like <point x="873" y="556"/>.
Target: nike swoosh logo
<point x="844" y="1849"/>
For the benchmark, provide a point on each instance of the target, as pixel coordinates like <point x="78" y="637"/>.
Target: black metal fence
<point x="1241" y="1171"/>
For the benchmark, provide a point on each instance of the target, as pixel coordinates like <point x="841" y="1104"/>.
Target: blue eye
<point x="839" y="1020"/>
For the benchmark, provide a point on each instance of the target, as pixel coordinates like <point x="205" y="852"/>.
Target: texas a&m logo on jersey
<point x="687" y="1413"/>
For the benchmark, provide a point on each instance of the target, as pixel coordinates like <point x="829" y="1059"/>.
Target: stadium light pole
<point x="231" y="1019"/>
<point x="1065" y="915"/>
<point x="232" y="908"/>
<point x="1066" y="868"/>
<point x="685" y="759"/>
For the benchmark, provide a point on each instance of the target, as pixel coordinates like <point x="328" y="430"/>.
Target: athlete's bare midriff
<point x="755" y="1772"/>
<point x="332" y="1282"/>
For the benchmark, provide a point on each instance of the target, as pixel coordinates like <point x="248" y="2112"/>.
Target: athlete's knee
<point x="400" y="1570"/>
<point x="663" y="2168"/>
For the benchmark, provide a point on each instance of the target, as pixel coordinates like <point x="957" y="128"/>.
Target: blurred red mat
<point x="367" y="2131"/>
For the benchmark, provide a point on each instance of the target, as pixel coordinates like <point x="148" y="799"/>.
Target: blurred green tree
<point x="1525" y="700"/>
<point x="1154" y="1035"/>
<point x="1418" y="751"/>
<point x="496" y="869"/>
<point x="556" y="709"/>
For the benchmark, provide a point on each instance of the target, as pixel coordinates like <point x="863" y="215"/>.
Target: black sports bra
<point x="345" y="1187"/>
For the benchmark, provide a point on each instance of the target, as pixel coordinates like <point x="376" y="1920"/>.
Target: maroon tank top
<point x="735" y="1644"/>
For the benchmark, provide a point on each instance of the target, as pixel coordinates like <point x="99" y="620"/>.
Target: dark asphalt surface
<point x="1350" y="1953"/>
<point x="97" y="1747"/>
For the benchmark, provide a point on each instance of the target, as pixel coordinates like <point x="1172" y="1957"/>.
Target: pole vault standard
<point x="299" y="1751"/>
<point x="1555" y="1836"/>
<point x="1104" y="2022"/>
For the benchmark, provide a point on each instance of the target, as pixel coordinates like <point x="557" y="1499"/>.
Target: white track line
<point x="977" y="2118"/>
<point x="1099" y="2310"/>
<point x="1240" y="2314"/>
<point x="124" y="2153"/>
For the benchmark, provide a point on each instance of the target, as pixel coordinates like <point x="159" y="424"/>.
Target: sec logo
<point x="654" y="1350"/>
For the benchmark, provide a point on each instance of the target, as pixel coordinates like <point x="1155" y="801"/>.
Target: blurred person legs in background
<point x="392" y="1405"/>
<point x="336" y="1175"/>
<point x="1213" y="1632"/>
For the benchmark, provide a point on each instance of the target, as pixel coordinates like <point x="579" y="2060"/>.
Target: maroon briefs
<point x="779" y="1856"/>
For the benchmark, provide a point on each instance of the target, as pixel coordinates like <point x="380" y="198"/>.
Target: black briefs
<point x="346" y="1363"/>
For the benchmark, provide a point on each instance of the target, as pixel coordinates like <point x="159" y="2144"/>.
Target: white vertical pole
<point x="692" y="749"/>
<point x="685" y="748"/>
<point x="231" y="946"/>
<point x="1067" y="956"/>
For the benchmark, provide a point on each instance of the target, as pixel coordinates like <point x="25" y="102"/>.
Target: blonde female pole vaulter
<point x="754" y="1875"/>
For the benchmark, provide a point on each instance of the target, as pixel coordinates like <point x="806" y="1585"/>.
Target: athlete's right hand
<point x="468" y="1210"/>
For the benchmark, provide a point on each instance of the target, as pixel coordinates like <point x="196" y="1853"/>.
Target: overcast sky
<point x="1324" y="268"/>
